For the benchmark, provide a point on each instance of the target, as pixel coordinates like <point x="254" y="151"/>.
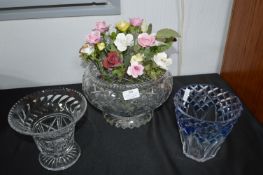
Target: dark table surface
<point x="154" y="148"/>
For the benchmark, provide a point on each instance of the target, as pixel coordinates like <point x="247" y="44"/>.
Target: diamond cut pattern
<point x="53" y="122"/>
<point x="205" y="119"/>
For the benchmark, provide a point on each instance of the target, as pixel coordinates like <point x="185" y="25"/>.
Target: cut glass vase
<point x="205" y="115"/>
<point x="50" y="117"/>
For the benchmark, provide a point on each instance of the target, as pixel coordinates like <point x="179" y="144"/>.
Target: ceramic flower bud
<point x="144" y="27"/>
<point x="123" y="26"/>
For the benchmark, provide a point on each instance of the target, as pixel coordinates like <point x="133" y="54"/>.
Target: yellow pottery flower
<point x="137" y="58"/>
<point x="122" y="26"/>
<point x="101" y="46"/>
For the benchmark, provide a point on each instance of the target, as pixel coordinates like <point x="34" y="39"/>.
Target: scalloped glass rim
<point x="50" y="132"/>
<point x="208" y="121"/>
<point x="122" y="86"/>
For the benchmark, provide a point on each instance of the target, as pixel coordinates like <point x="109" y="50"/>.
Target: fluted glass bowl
<point x="50" y="117"/>
<point x="125" y="105"/>
<point x="205" y="115"/>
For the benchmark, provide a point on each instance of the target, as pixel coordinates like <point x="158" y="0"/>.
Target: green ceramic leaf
<point x="164" y="47"/>
<point x="166" y="34"/>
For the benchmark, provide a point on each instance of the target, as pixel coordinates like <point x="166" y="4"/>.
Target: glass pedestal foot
<point x="128" y="122"/>
<point x="56" y="163"/>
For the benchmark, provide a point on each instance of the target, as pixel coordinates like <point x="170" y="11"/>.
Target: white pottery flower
<point x="123" y="41"/>
<point x="161" y="60"/>
<point x="88" y="49"/>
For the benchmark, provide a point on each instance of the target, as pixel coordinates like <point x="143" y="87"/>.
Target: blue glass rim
<point x="177" y="107"/>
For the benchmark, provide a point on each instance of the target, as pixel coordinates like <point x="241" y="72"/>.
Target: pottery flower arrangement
<point x="130" y="53"/>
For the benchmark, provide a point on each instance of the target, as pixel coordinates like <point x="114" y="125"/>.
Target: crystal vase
<point x="125" y="105"/>
<point x="50" y="117"/>
<point x="205" y="115"/>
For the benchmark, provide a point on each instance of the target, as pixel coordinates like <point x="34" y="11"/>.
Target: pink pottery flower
<point x="135" y="69"/>
<point x="101" y="26"/>
<point x="94" y="37"/>
<point x="136" y="21"/>
<point x="146" y="40"/>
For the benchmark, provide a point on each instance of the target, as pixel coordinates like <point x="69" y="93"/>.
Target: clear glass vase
<point x="50" y="117"/>
<point x="125" y="105"/>
<point x="205" y="115"/>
